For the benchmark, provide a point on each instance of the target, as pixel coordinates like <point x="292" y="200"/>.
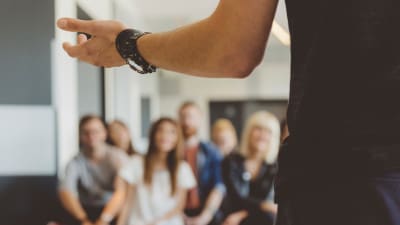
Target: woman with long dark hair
<point x="157" y="184"/>
<point x="119" y="136"/>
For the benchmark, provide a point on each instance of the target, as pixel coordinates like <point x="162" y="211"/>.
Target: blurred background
<point x="43" y="92"/>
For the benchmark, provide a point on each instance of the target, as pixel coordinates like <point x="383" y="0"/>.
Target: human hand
<point x="269" y="207"/>
<point x="153" y="223"/>
<point x="156" y="222"/>
<point x="101" y="222"/>
<point x="203" y="219"/>
<point x="100" y="49"/>
<point x="235" y="218"/>
<point x="87" y="222"/>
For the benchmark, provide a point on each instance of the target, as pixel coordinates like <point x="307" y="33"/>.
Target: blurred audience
<point x="119" y="136"/>
<point x="157" y="184"/>
<point x="203" y="201"/>
<point x="89" y="181"/>
<point x="249" y="174"/>
<point x="224" y="136"/>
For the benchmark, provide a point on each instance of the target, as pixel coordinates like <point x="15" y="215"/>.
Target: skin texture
<point x="228" y="43"/>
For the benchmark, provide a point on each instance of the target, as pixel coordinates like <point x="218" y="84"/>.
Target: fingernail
<point x="62" y="23"/>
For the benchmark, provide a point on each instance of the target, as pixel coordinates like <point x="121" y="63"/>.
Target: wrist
<point x="126" y="45"/>
<point x="106" y="218"/>
<point x="207" y="213"/>
<point x="243" y="214"/>
<point x="210" y="211"/>
<point x="83" y="219"/>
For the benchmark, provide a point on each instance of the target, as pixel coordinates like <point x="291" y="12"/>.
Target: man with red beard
<point x="204" y="200"/>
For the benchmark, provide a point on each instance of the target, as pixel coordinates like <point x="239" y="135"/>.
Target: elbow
<point x="242" y="66"/>
<point x="244" y="69"/>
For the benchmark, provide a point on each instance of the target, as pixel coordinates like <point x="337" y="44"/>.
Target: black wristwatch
<point x="126" y="44"/>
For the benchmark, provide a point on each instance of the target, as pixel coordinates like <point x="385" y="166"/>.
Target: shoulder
<point x="210" y="149"/>
<point x="116" y="154"/>
<point x="132" y="170"/>
<point x="233" y="159"/>
<point x="135" y="161"/>
<point x="184" y="166"/>
<point x="134" y="164"/>
<point x="186" y="178"/>
<point x="114" y="151"/>
<point x="76" y="160"/>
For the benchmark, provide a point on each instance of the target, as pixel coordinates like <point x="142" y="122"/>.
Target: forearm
<point x="178" y="209"/>
<point x="117" y="200"/>
<point x="229" y="43"/>
<point x="113" y="207"/>
<point x="172" y="213"/>
<point x="213" y="202"/>
<point x="242" y="214"/>
<point x="269" y="207"/>
<point x="127" y="206"/>
<point x="72" y="205"/>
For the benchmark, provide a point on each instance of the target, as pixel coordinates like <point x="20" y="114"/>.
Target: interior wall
<point x="27" y="114"/>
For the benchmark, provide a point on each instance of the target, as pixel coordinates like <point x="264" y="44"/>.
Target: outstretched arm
<point x="229" y="43"/>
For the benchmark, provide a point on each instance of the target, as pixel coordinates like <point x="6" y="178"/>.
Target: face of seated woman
<point x="259" y="139"/>
<point x="225" y="141"/>
<point x="119" y="135"/>
<point x="166" y="137"/>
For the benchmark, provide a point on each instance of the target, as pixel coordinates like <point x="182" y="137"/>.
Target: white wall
<point x="65" y="88"/>
<point x="28" y="148"/>
<point x="270" y="81"/>
<point x="122" y="88"/>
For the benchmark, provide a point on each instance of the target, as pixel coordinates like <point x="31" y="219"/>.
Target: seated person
<point x="157" y="184"/>
<point x="223" y="136"/>
<point x="120" y="137"/>
<point x="203" y="202"/>
<point x="248" y="175"/>
<point x="89" y="181"/>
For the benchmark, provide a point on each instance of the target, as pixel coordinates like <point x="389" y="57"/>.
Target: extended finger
<point x="76" y="25"/>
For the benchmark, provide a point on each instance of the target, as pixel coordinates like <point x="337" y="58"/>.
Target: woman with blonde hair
<point x="249" y="174"/>
<point x="224" y="136"/>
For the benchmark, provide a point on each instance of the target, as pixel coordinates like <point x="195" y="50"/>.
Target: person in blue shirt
<point x="203" y="202"/>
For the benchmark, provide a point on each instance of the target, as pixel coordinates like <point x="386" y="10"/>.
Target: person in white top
<point x="157" y="184"/>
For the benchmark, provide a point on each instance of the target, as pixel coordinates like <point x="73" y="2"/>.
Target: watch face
<point x="126" y="46"/>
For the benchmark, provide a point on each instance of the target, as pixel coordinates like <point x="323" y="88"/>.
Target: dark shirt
<point x="345" y="84"/>
<point x="242" y="192"/>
